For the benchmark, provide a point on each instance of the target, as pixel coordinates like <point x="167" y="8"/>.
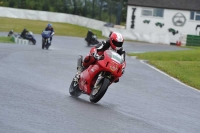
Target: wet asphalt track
<point x="34" y="94"/>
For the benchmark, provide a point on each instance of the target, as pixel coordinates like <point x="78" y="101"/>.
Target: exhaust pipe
<point x="79" y="61"/>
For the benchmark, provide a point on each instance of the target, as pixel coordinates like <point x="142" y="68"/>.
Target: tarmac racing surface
<point x="34" y="94"/>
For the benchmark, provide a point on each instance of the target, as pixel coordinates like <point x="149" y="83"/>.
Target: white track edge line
<point x="142" y="61"/>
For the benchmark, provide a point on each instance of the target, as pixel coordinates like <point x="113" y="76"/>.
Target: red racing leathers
<point x="98" y="51"/>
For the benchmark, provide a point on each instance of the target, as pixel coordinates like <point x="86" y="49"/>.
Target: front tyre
<point x="47" y="47"/>
<point x="34" y="41"/>
<point x="43" y="43"/>
<point x="74" y="89"/>
<point x="98" y="92"/>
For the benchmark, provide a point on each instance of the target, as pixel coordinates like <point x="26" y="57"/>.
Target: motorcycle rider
<point x="114" y="43"/>
<point x="91" y="38"/>
<point x="24" y="34"/>
<point x="10" y="33"/>
<point x="50" y="28"/>
<point x="28" y="35"/>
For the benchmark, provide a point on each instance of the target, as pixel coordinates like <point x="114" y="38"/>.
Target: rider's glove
<point x="52" y="34"/>
<point x="93" y="52"/>
<point x="96" y="56"/>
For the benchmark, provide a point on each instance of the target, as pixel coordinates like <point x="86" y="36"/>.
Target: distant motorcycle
<point x="91" y="39"/>
<point x="46" y="35"/>
<point x="11" y="33"/>
<point x="30" y="37"/>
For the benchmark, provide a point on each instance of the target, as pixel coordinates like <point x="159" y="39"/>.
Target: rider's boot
<point x="79" y="71"/>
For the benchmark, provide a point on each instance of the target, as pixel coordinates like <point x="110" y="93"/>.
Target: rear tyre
<point x="103" y="86"/>
<point x="88" y="44"/>
<point x="74" y="89"/>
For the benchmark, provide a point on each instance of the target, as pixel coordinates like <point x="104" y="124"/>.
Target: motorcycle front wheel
<point x="98" y="92"/>
<point x="47" y="45"/>
<point x="74" y="89"/>
<point x="34" y="41"/>
<point x="43" y="43"/>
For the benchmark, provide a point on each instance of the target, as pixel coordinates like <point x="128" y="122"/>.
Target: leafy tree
<point x="113" y="11"/>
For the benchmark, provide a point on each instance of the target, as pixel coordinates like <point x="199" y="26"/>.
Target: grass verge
<point x="37" y="27"/>
<point x="183" y="65"/>
<point x="7" y="39"/>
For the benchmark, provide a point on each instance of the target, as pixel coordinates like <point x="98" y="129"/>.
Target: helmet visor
<point x="117" y="44"/>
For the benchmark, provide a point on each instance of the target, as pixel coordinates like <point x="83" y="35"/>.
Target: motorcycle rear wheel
<point x="103" y="86"/>
<point x="74" y="89"/>
<point x="88" y="44"/>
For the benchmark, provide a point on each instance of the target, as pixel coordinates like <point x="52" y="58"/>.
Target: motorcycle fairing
<point x="111" y="64"/>
<point x="87" y="78"/>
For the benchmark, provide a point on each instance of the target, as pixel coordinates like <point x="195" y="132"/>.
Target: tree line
<point x="112" y="11"/>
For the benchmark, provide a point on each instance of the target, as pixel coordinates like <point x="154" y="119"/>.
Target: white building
<point x="163" y="21"/>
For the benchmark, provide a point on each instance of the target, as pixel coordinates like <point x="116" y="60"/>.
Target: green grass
<point x="6" y="40"/>
<point x="183" y="65"/>
<point x="63" y="29"/>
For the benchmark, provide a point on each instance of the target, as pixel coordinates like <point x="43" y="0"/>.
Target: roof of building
<point x="191" y="5"/>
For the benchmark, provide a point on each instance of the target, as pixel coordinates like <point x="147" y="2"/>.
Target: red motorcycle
<point x="96" y="79"/>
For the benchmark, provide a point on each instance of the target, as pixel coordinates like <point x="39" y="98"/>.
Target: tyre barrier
<point x="21" y="41"/>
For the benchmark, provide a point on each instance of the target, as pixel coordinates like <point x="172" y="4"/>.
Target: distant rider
<point x="50" y="28"/>
<point x="114" y="43"/>
<point x="24" y="34"/>
<point x="10" y="33"/>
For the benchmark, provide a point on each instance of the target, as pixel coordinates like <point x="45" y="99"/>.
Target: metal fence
<point x="193" y="40"/>
<point x="104" y="10"/>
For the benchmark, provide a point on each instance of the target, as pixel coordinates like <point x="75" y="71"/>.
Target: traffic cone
<point x="176" y="43"/>
<point x="179" y="43"/>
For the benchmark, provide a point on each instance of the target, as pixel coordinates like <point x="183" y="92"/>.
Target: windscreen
<point x="115" y="56"/>
<point x="46" y="32"/>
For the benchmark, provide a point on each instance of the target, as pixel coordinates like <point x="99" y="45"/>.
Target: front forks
<point x="100" y="77"/>
<point x="79" y="68"/>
